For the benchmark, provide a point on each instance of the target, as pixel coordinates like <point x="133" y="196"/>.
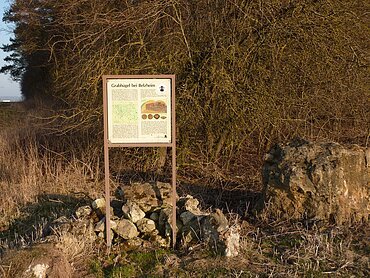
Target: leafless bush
<point x="249" y="73"/>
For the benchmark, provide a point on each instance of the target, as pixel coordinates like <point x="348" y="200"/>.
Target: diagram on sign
<point x="154" y="109"/>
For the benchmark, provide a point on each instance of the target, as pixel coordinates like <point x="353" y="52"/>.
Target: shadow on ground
<point x="35" y="217"/>
<point x="229" y="197"/>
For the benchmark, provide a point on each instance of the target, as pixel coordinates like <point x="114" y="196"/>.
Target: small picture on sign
<point x="161" y="89"/>
<point x="154" y="106"/>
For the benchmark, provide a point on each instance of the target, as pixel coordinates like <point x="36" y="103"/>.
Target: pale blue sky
<point x="7" y="86"/>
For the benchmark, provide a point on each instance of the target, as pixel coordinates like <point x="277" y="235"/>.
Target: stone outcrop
<point x="144" y="218"/>
<point x="319" y="181"/>
<point x="148" y="196"/>
<point x="132" y="211"/>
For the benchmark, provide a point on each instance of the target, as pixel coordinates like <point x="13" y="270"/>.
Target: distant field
<point x="10" y="98"/>
<point x="10" y="113"/>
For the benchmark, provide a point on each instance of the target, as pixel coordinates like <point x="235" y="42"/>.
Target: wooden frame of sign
<point x="139" y="111"/>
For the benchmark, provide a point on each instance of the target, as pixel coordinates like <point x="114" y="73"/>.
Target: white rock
<point x="83" y="212"/>
<point x="100" y="226"/>
<point x="220" y="221"/>
<point x="189" y="203"/>
<point x="126" y="229"/>
<point x="38" y="271"/>
<point x="232" y="241"/>
<point x="145" y="225"/>
<point x="132" y="211"/>
<point x="98" y="204"/>
<point x="164" y="221"/>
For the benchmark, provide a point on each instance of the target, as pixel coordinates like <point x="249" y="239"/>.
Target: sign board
<point x="139" y="110"/>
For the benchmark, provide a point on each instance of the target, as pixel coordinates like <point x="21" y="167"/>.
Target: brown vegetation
<point x="249" y="73"/>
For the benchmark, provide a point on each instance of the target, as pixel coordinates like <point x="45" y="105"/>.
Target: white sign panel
<point x="139" y="110"/>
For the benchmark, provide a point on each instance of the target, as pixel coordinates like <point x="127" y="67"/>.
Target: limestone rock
<point x="38" y="270"/>
<point x="145" y="225"/>
<point x="212" y="229"/>
<point x="189" y="210"/>
<point x="160" y="241"/>
<point x="126" y="229"/>
<point x="193" y="230"/>
<point x="98" y="204"/>
<point x="219" y="221"/>
<point x="189" y="203"/>
<point x="149" y="196"/>
<point x="117" y="208"/>
<point x="208" y="232"/>
<point x="165" y="222"/>
<point x="99" y="207"/>
<point x="83" y="212"/>
<point x="203" y="227"/>
<point x="132" y="211"/>
<point x="143" y="194"/>
<point x="164" y="193"/>
<point x="134" y="242"/>
<point x="318" y="181"/>
<point x="100" y="226"/>
<point x="186" y="217"/>
<point x="232" y="242"/>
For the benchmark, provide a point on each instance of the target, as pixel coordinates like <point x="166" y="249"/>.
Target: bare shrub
<point x="249" y="73"/>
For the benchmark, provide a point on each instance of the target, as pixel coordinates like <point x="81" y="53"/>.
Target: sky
<point x="7" y="86"/>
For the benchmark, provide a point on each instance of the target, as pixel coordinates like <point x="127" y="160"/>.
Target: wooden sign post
<point x="139" y="111"/>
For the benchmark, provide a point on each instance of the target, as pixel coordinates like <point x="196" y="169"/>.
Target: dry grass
<point x="292" y="249"/>
<point x="39" y="183"/>
<point x="76" y="246"/>
<point x="26" y="174"/>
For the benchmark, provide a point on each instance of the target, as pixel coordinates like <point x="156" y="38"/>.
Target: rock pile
<point x="320" y="181"/>
<point x="143" y="216"/>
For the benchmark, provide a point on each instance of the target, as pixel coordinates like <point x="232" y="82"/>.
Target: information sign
<point x="139" y="110"/>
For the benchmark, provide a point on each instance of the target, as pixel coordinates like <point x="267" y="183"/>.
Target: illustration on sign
<point x="139" y="110"/>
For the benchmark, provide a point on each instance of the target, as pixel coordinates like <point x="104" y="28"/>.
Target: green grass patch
<point x="132" y="264"/>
